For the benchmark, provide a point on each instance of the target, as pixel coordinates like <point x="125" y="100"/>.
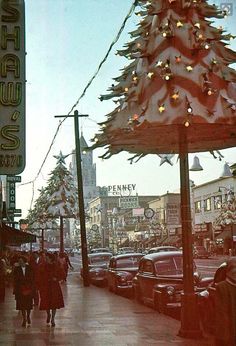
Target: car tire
<point x="159" y="302"/>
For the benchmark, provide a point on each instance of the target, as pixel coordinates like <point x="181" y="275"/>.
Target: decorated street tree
<point x="57" y="200"/>
<point x="177" y="95"/>
<point x="62" y="195"/>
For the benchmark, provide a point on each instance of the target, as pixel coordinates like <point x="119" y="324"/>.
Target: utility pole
<point x="80" y="194"/>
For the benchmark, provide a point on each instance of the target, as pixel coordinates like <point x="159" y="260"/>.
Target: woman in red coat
<point x="50" y="292"/>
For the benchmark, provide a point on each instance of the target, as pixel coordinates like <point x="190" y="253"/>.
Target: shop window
<point x="198" y="207"/>
<point x="207" y="204"/>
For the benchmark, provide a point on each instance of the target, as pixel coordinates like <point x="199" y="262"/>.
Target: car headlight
<point x="170" y="290"/>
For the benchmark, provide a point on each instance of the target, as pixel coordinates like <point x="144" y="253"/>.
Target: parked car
<point x="121" y="271"/>
<point x="97" y="265"/>
<point x="159" y="280"/>
<point x="100" y="249"/>
<point x="206" y="300"/>
<point x="162" y="248"/>
<point x="200" y="252"/>
<point x="126" y="249"/>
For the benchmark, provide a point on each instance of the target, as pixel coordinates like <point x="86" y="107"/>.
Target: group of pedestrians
<point x="36" y="279"/>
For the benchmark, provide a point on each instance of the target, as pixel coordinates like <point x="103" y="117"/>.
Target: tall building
<point x="90" y="190"/>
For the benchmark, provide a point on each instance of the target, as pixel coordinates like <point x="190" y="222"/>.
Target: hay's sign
<point x="12" y="86"/>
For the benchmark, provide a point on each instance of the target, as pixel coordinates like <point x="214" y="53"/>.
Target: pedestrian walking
<point x="2" y="278"/>
<point x="23" y="287"/>
<point x="34" y="261"/>
<point x="225" y="305"/>
<point x="51" y="298"/>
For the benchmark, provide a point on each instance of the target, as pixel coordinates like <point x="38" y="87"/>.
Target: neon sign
<point x="12" y="86"/>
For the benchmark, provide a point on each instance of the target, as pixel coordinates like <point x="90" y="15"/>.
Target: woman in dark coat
<point x="2" y="278"/>
<point x="225" y="306"/>
<point x="23" y="288"/>
<point x="51" y="298"/>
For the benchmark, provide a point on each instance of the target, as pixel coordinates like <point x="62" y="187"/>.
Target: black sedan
<point x="159" y="280"/>
<point x="121" y="271"/>
<point x="98" y="264"/>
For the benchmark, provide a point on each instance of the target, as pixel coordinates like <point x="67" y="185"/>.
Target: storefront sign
<point x="12" y="86"/>
<point x="173" y="214"/>
<point x="118" y="190"/>
<point x="128" y="202"/>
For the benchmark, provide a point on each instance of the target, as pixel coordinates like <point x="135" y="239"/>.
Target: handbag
<point x="26" y="290"/>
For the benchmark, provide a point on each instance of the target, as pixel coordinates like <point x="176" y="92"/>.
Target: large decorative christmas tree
<point x="177" y="95"/>
<point x="179" y="74"/>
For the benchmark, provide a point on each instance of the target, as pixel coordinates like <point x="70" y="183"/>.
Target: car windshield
<point x="169" y="266"/>
<point x="128" y="262"/>
<point x="99" y="259"/>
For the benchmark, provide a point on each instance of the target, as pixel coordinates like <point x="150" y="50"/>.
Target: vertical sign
<point x="12" y="86"/>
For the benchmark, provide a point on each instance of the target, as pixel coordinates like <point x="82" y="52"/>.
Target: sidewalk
<point x="92" y="317"/>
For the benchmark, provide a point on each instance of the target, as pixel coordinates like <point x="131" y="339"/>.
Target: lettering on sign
<point x="129" y="202"/>
<point x="120" y="190"/>
<point x="173" y="214"/>
<point x="12" y="86"/>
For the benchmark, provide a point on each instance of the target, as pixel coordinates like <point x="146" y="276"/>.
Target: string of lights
<point x="131" y="10"/>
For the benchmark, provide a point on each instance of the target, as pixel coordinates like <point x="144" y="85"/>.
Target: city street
<point x="92" y="316"/>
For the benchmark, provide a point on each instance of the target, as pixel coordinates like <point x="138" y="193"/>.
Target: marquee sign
<point x="12" y="86"/>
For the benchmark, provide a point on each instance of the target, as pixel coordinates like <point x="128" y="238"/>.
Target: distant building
<point x="90" y="189"/>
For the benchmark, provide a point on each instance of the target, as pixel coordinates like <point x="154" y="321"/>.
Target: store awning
<point x="13" y="236"/>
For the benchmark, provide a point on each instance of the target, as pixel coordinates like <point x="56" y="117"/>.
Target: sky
<point x="66" y="40"/>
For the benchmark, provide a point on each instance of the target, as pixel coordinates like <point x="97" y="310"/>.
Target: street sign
<point x="13" y="178"/>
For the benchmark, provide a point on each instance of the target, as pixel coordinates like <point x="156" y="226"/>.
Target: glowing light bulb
<point x="150" y="74"/>
<point x="207" y="46"/>
<point x="164" y="34"/>
<point x="161" y="108"/>
<point x="159" y="63"/>
<point x="179" y="24"/>
<point x="175" y="96"/>
<point x="167" y="77"/>
<point x="189" y="110"/>
<point x="186" y="123"/>
<point x="189" y="68"/>
<point x="126" y="89"/>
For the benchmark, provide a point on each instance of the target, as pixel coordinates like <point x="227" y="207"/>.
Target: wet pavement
<point x="92" y="317"/>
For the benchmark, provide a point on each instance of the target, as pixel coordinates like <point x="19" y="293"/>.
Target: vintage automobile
<point x="100" y="249"/>
<point x="206" y="300"/>
<point x="159" y="280"/>
<point x="121" y="271"/>
<point x="200" y="252"/>
<point x="98" y="264"/>
<point x="162" y="248"/>
<point x="126" y="249"/>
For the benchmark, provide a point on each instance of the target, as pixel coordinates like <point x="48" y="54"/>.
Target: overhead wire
<point x="131" y="10"/>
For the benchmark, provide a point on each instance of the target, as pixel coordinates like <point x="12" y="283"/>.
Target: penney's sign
<point x="118" y="190"/>
<point x="12" y="86"/>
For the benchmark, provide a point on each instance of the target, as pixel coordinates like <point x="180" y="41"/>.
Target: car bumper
<point x="125" y="286"/>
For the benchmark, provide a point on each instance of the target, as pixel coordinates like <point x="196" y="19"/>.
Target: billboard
<point x="12" y="87"/>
